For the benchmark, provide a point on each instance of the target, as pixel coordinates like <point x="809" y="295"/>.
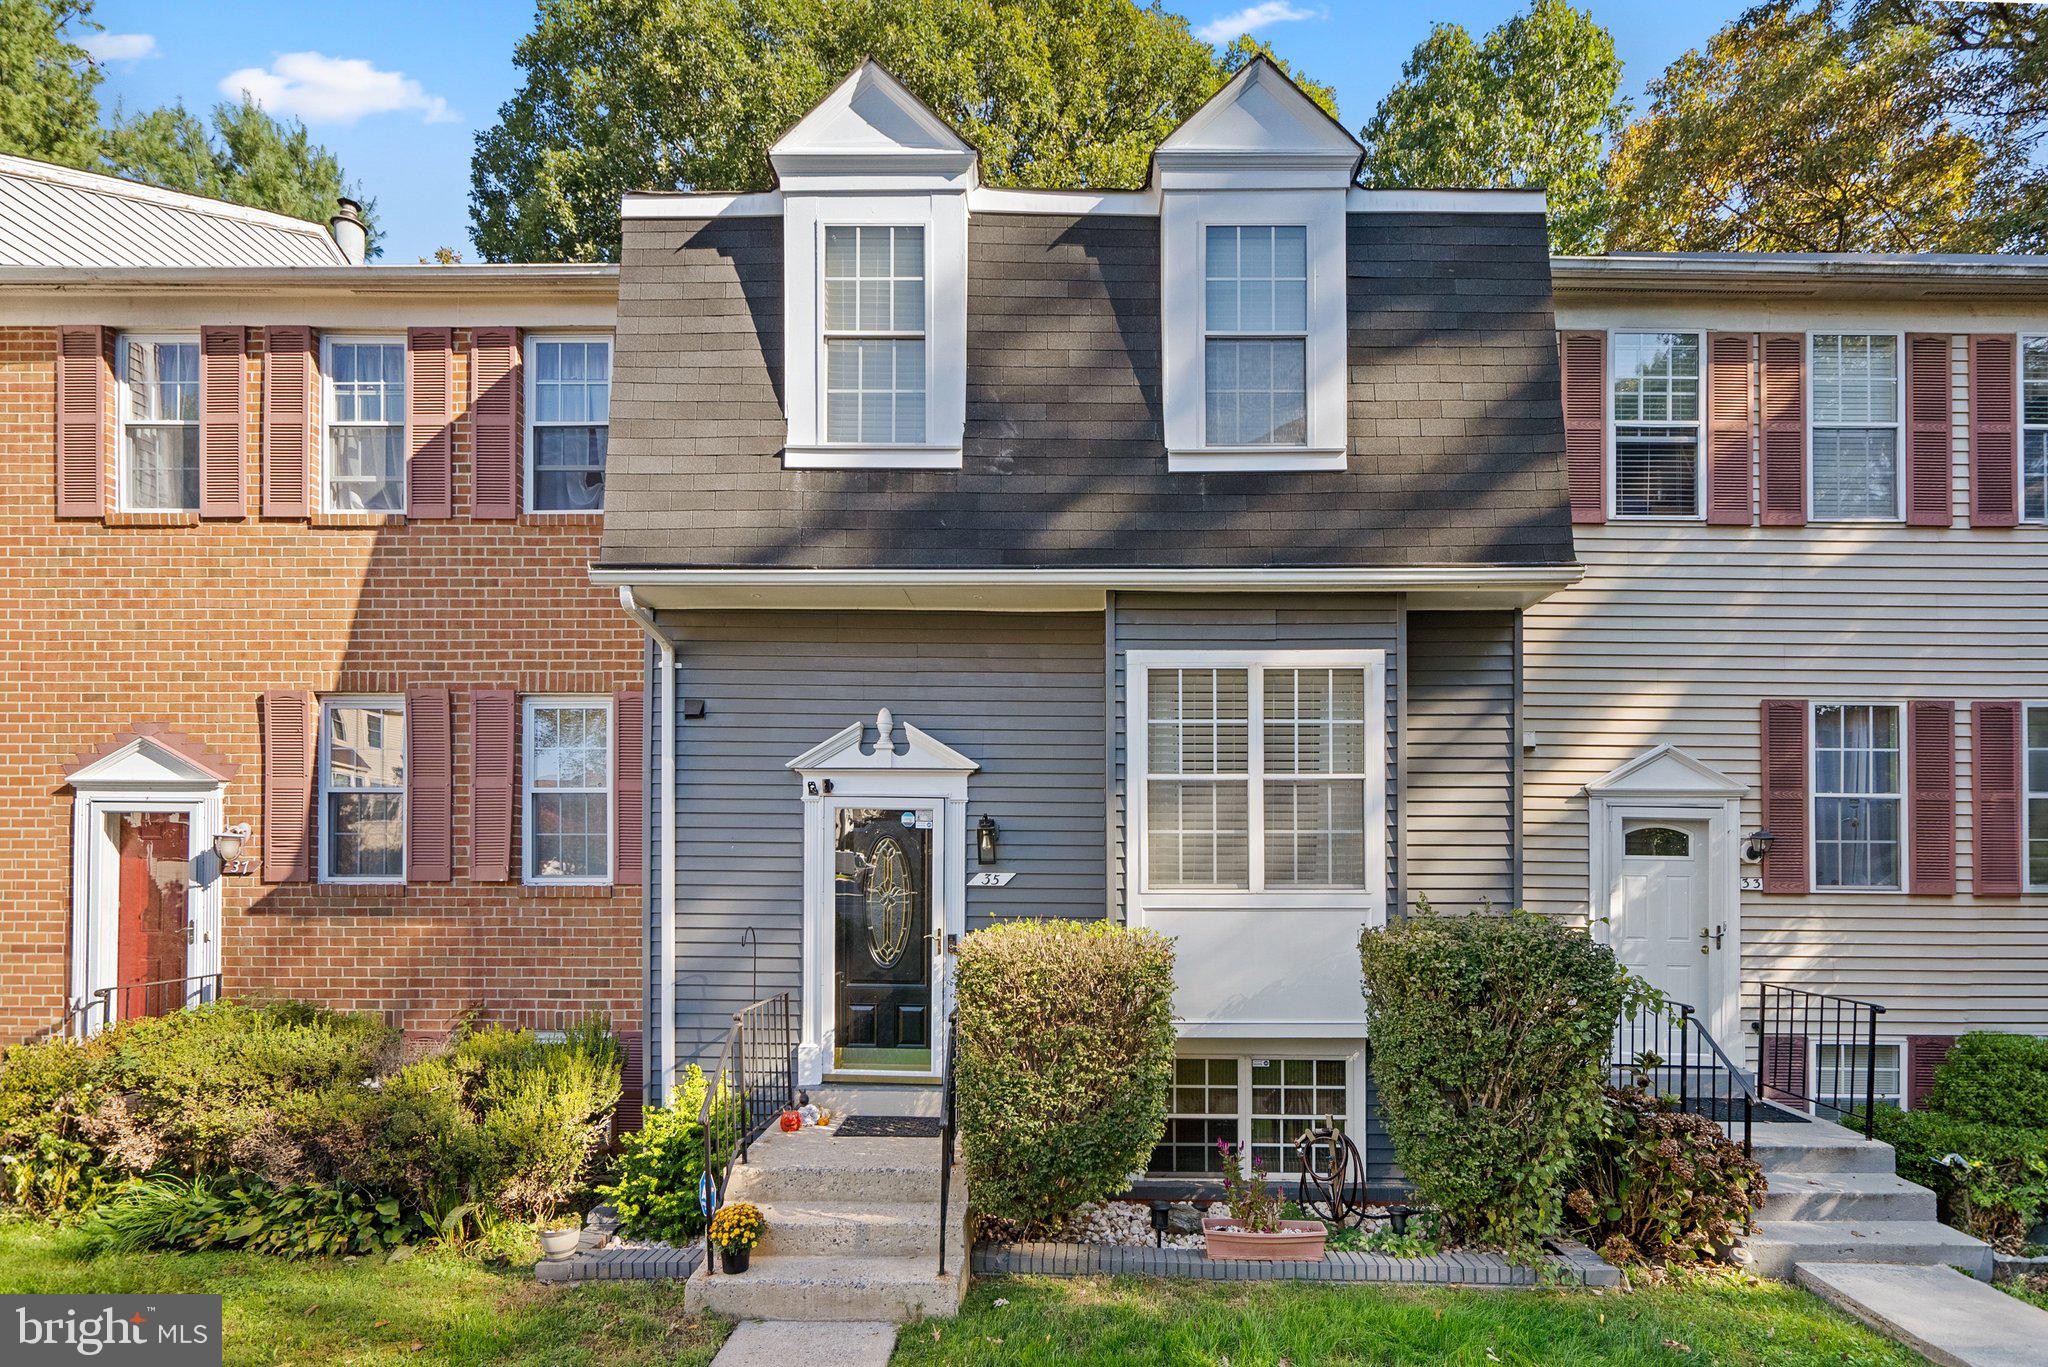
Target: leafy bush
<point x="49" y="1169"/>
<point x="1065" y="1061"/>
<point x="655" y="1180"/>
<point x="1993" y="1079"/>
<point x="1661" y="1185"/>
<point x="1489" y="1034"/>
<point x="302" y="1221"/>
<point x="1991" y="1180"/>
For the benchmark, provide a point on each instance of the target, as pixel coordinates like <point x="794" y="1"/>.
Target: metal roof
<point x="57" y="216"/>
<point x="1801" y="273"/>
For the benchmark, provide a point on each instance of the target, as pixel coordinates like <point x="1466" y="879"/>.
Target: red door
<point x="153" y="853"/>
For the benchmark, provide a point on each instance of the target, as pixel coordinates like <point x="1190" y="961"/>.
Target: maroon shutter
<point x="1995" y="799"/>
<point x="1781" y="1068"/>
<point x="289" y="375"/>
<point x="429" y="787"/>
<point x="287" y="786"/>
<point x="81" y="421"/>
<point x="429" y="422"/>
<point x="1782" y="404"/>
<point x="221" y="422"/>
<point x="1929" y="502"/>
<point x="627" y="1115"/>
<point x="493" y="755"/>
<point x="1924" y="1054"/>
<point x="1728" y="429"/>
<point x="495" y="420"/>
<point x="1582" y="364"/>
<point x="1784" y="771"/>
<point x="1994" y="431"/>
<point x="629" y="789"/>
<point x="1931" y="818"/>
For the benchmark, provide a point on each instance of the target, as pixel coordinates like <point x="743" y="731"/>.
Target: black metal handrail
<point x="127" y="1001"/>
<point x="753" y="1083"/>
<point x="946" y="1129"/>
<point x="1798" y="1032"/>
<point x="1664" y="1048"/>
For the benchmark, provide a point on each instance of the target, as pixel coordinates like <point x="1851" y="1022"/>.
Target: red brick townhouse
<point x="303" y="682"/>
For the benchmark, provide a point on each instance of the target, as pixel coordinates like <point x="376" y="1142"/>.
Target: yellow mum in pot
<point x="737" y="1226"/>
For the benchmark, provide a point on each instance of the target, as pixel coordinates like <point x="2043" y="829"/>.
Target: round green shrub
<point x="1065" y="1062"/>
<point x="1993" y="1079"/>
<point x="1660" y="1185"/>
<point x="655" y="1179"/>
<point x="1991" y="1180"/>
<point x="1489" y="1038"/>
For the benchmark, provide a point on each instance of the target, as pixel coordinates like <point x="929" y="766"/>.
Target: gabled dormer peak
<point x="1260" y="131"/>
<point x="873" y="133"/>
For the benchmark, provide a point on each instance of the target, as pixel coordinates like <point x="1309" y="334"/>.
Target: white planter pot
<point x="557" y="1244"/>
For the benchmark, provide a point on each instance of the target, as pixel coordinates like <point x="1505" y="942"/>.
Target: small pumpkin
<point x="792" y="1121"/>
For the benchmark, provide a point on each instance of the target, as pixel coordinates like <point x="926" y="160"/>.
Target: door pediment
<point x="846" y="751"/>
<point x="149" y="756"/>
<point x="1666" y="771"/>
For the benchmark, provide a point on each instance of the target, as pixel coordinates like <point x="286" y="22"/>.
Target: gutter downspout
<point x="665" y="737"/>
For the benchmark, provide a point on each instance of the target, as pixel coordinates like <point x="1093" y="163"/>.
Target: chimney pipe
<point x="350" y="233"/>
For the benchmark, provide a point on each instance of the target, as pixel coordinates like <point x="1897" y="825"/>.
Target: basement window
<point x="1840" y="1071"/>
<point x="1266" y="1101"/>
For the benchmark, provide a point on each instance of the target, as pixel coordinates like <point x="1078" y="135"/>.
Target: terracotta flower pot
<point x="557" y="1244"/>
<point x="1299" y="1241"/>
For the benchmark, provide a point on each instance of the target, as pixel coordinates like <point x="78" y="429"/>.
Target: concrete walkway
<point x="1937" y="1311"/>
<point x="781" y="1343"/>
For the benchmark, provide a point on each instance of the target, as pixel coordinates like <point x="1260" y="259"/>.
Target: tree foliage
<point x="1529" y="105"/>
<point x="1792" y="131"/>
<point x="49" y="110"/>
<point x="624" y="95"/>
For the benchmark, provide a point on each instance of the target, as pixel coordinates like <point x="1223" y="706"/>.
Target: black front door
<point x="883" y="912"/>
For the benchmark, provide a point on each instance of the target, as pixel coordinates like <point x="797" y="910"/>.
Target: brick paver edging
<point x="1578" y="1264"/>
<point x="658" y="1263"/>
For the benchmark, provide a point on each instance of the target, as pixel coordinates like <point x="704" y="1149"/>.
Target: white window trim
<point x="527" y="792"/>
<point x="2027" y="796"/>
<point x="1185" y="219"/>
<point x="1905" y="1070"/>
<point x="123" y="500"/>
<point x="322" y="457"/>
<point x="1306" y="332"/>
<point x="1814" y="794"/>
<point x="1138" y="664"/>
<point x="943" y="216"/>
<point x="1813" y="424"/>
<point x="1244" y="1054"/>
<point x="321" y="790"/>
<point x="2019" y="454"/>
<point x="1614" y="424"/>
<point x="530" y="457"/>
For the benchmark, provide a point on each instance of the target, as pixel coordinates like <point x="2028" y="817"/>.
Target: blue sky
<point x="400" y="88"/>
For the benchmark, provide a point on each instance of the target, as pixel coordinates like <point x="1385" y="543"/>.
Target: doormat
<point x="887" y="1127"/>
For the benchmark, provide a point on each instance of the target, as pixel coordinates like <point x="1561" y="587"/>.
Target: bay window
<point x="1855" y="436"/>
<point x="159" y="410"/>
<point x="1657" y="424"/>
<point x="1858" y="797"/>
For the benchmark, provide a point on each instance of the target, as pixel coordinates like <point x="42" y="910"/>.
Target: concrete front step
<point x="877" y="1098"/>
<point x="1937" y="1313"/>
<point x="813" y="1166"/>
<point x="1861" y="1196"/>
<point x="889" y="1229"/>
<point x="1777" y="1246"/>
<point x="895" y="1290"/>
<point x="1835" y="1153"/>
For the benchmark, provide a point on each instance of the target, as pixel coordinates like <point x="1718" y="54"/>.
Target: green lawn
<point x="1699" y="1321"/>
<point x="434" y="1308"/>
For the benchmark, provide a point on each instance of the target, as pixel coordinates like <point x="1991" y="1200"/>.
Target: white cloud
<point x="323" y="89"/>
<point x="119" y="47"/>
<point x="1251" y="19"/>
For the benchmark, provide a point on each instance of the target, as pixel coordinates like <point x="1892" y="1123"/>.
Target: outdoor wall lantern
<point x="1756" y="846"/>
<point x="985" y="833"/>
<point x="228" y="847"/>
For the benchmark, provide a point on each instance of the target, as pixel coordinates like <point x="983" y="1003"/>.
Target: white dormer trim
<point x="1260" y="132"/>
<point x="873" y="154"/>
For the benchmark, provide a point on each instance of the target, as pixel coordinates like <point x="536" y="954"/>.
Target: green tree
<point x="48" y="109"/>
<point x="622" y="95"/>
<point x="1529" y="105"/>
<point x="245" y="157"/>
<point x="1793" y="132"/>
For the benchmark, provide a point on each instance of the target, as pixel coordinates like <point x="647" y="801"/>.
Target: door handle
<point x="1715" y="935"/>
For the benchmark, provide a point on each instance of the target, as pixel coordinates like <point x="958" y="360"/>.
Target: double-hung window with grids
<point x="2034" y="429"/>
<point x="1265" y="1103"/>
<point x="2035" y="771"/>
<point x="1255" y="335"/>
<point x="875" y="325"/>
<point x="1858" y="797"/>
<point x="365" y="447"/>
<point x="1855" y="438"/>
<point x="159" y="405"/>
<point x="568" y="769"/>
<point x="568" y="412"/>
<point x="1656" y="424"/>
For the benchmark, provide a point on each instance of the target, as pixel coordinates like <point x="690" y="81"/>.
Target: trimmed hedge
<point x="1993" y="1079"/>
<point x="1065" y="1062"/>
<point x="1490" y="1034"/>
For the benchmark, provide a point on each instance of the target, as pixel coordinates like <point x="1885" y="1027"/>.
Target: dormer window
<point x="875" y="391"/>
<point x="1255" y="335"/>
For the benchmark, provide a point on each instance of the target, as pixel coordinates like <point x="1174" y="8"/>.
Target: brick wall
<point x="160" y="618"/>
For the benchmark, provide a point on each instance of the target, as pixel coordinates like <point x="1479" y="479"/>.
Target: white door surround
<point x="842" y="771"/>
<point x="1667" y="786"/>
<point x="141" y="773"/>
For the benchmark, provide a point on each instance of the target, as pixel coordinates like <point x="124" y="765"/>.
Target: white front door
<point x="1662" y="904"/>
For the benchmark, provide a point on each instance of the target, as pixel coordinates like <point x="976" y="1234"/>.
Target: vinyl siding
<point x="1678" y="631"/>
<point x="1459" y="793"/>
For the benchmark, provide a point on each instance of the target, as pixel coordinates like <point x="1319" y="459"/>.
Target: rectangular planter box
<point x="1296" y="1241"/>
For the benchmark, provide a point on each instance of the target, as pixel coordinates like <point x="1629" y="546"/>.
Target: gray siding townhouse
<point x="1155" y="555"/>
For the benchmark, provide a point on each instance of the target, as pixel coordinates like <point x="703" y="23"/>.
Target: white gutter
<point x="1252" y="580"/>
<point x="664" y="737"/>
